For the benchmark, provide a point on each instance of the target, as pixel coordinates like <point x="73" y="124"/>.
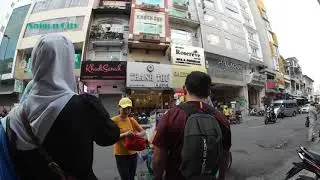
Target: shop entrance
<point x="253" y="94"/>
<point x="224" y="94"/>
<point x="149" y="103"/>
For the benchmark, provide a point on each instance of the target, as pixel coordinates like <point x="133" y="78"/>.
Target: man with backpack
<point x="193" y="140"/>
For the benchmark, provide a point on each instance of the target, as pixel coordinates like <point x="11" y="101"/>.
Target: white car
<point x="305" y="108"/>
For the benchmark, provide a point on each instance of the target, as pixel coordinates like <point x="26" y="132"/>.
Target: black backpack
<point x="202" y="145"/>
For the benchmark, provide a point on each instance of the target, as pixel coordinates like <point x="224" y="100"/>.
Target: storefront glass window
<point x="54" y="26"/>
<point x="149" y="28"/>
<point x="45" y="5"/>
<point x="181" y="37"/>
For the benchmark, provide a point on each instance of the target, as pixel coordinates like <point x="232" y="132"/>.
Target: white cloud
<point x="296" y="22"/>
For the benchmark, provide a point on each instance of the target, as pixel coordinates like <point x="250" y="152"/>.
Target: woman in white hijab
<point x="65" y="123"/>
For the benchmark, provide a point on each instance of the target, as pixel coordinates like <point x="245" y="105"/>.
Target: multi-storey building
<point x="9" y="87"/>
<point x="295" y="72"/>
<point x="275" y="85"/>
<point x="307" y="87"/>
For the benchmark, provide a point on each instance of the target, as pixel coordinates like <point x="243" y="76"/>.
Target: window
<point x="2" y="29"/>
<point x="268" y="26"/>
<point x="231" y="2"/>
<point x="210" y="5"/>
<point x="178" y="13"/>
<point x="224" y="25"/>
<point x="7" y="16"/>
<point x="228" y="43"/>
<point x="113" y="28"/>
<point x="54" y="26"/>
<point x="270" y="36"/>
<point x="113" y="55"/>
<point x="153" y="2"/>
<point x="238" y="45"/>
<point x="251" y="36"/>
<point x="210" y="19"/>
<point x="254" y="51"/>
<point x="149" y="28"/>
<point x="247" y="20"/>
<point x="235" y="28"/>
<point x="243" y="8"/>
<point x="45" y="5"/>
<point x="232" y="13"/>
<point x="213" y="39"/>
<point x="181" y="37"/>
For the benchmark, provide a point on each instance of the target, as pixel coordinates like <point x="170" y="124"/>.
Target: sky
<point x="297" y="25"/>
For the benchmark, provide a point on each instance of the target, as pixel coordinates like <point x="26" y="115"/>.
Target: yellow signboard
<point x="180" y="73"/>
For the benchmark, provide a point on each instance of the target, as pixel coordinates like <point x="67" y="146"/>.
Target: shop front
<point x="150" y="87"/>
<point x="256" y="89"/>
<point x="229" y="79"/>
<point x="106" y="80"/>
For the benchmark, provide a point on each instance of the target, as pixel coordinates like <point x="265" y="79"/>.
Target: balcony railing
<point x="98" y="33"/>
<point x="151" y="38"/>
<point x="180" y="6"/>
<point x="114" y="6"/>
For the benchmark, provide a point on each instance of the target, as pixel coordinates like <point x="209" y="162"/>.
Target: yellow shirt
<point x="125" y="125"/>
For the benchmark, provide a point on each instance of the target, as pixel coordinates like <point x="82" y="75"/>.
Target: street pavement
<point x="260" y="152"/>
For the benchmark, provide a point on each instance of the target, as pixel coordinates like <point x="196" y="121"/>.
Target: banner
<point x="187" y="55"/>
<point x="181" y="72"/>
<point x="103" y="70"/>
<point x="149" y="75"/>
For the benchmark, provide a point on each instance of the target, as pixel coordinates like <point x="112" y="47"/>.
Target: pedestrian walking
<point x="180" y="156"/>
<point x="53" y="130"/>
<point x="313" y="124"/>
<point x="126" y="159"/>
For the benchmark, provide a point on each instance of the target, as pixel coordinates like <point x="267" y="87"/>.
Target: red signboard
<point x="103" y="70"/>
<point x="270" y="84"/>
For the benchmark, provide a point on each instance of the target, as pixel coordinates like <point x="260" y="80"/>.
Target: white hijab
<point x="54" y="85"/>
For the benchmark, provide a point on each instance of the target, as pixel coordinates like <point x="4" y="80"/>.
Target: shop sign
<point x="258" y="79"/>
<point x="149" y="22"/>
<point x="225" y="68"/>
<point x="270" y="84"/>
<point x="103" y="70"/>
<point x="181" y="72"/>
<point x="149" y="75"/>
<point x="187" y="55"/>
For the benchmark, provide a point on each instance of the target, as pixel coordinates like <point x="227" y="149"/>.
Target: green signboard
<point x="77" y="63"/>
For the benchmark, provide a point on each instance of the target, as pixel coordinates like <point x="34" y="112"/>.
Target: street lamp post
<point x="4" y="57"/>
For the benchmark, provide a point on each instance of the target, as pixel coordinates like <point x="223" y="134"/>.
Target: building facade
<point x="9" y="87"/>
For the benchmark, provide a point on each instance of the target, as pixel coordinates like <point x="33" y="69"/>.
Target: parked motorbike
<point x="310" y="162"/>
<point x="270" y="116"/>
<point x="237" y="119"/>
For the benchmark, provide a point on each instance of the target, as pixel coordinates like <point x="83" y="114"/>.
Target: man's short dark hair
<point x="198" y="84"/>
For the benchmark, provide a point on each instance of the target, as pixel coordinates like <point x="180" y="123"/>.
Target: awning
<point x="6" y="92"/>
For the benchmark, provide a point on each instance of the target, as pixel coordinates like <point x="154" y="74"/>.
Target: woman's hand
<point x="125" y="134"/>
